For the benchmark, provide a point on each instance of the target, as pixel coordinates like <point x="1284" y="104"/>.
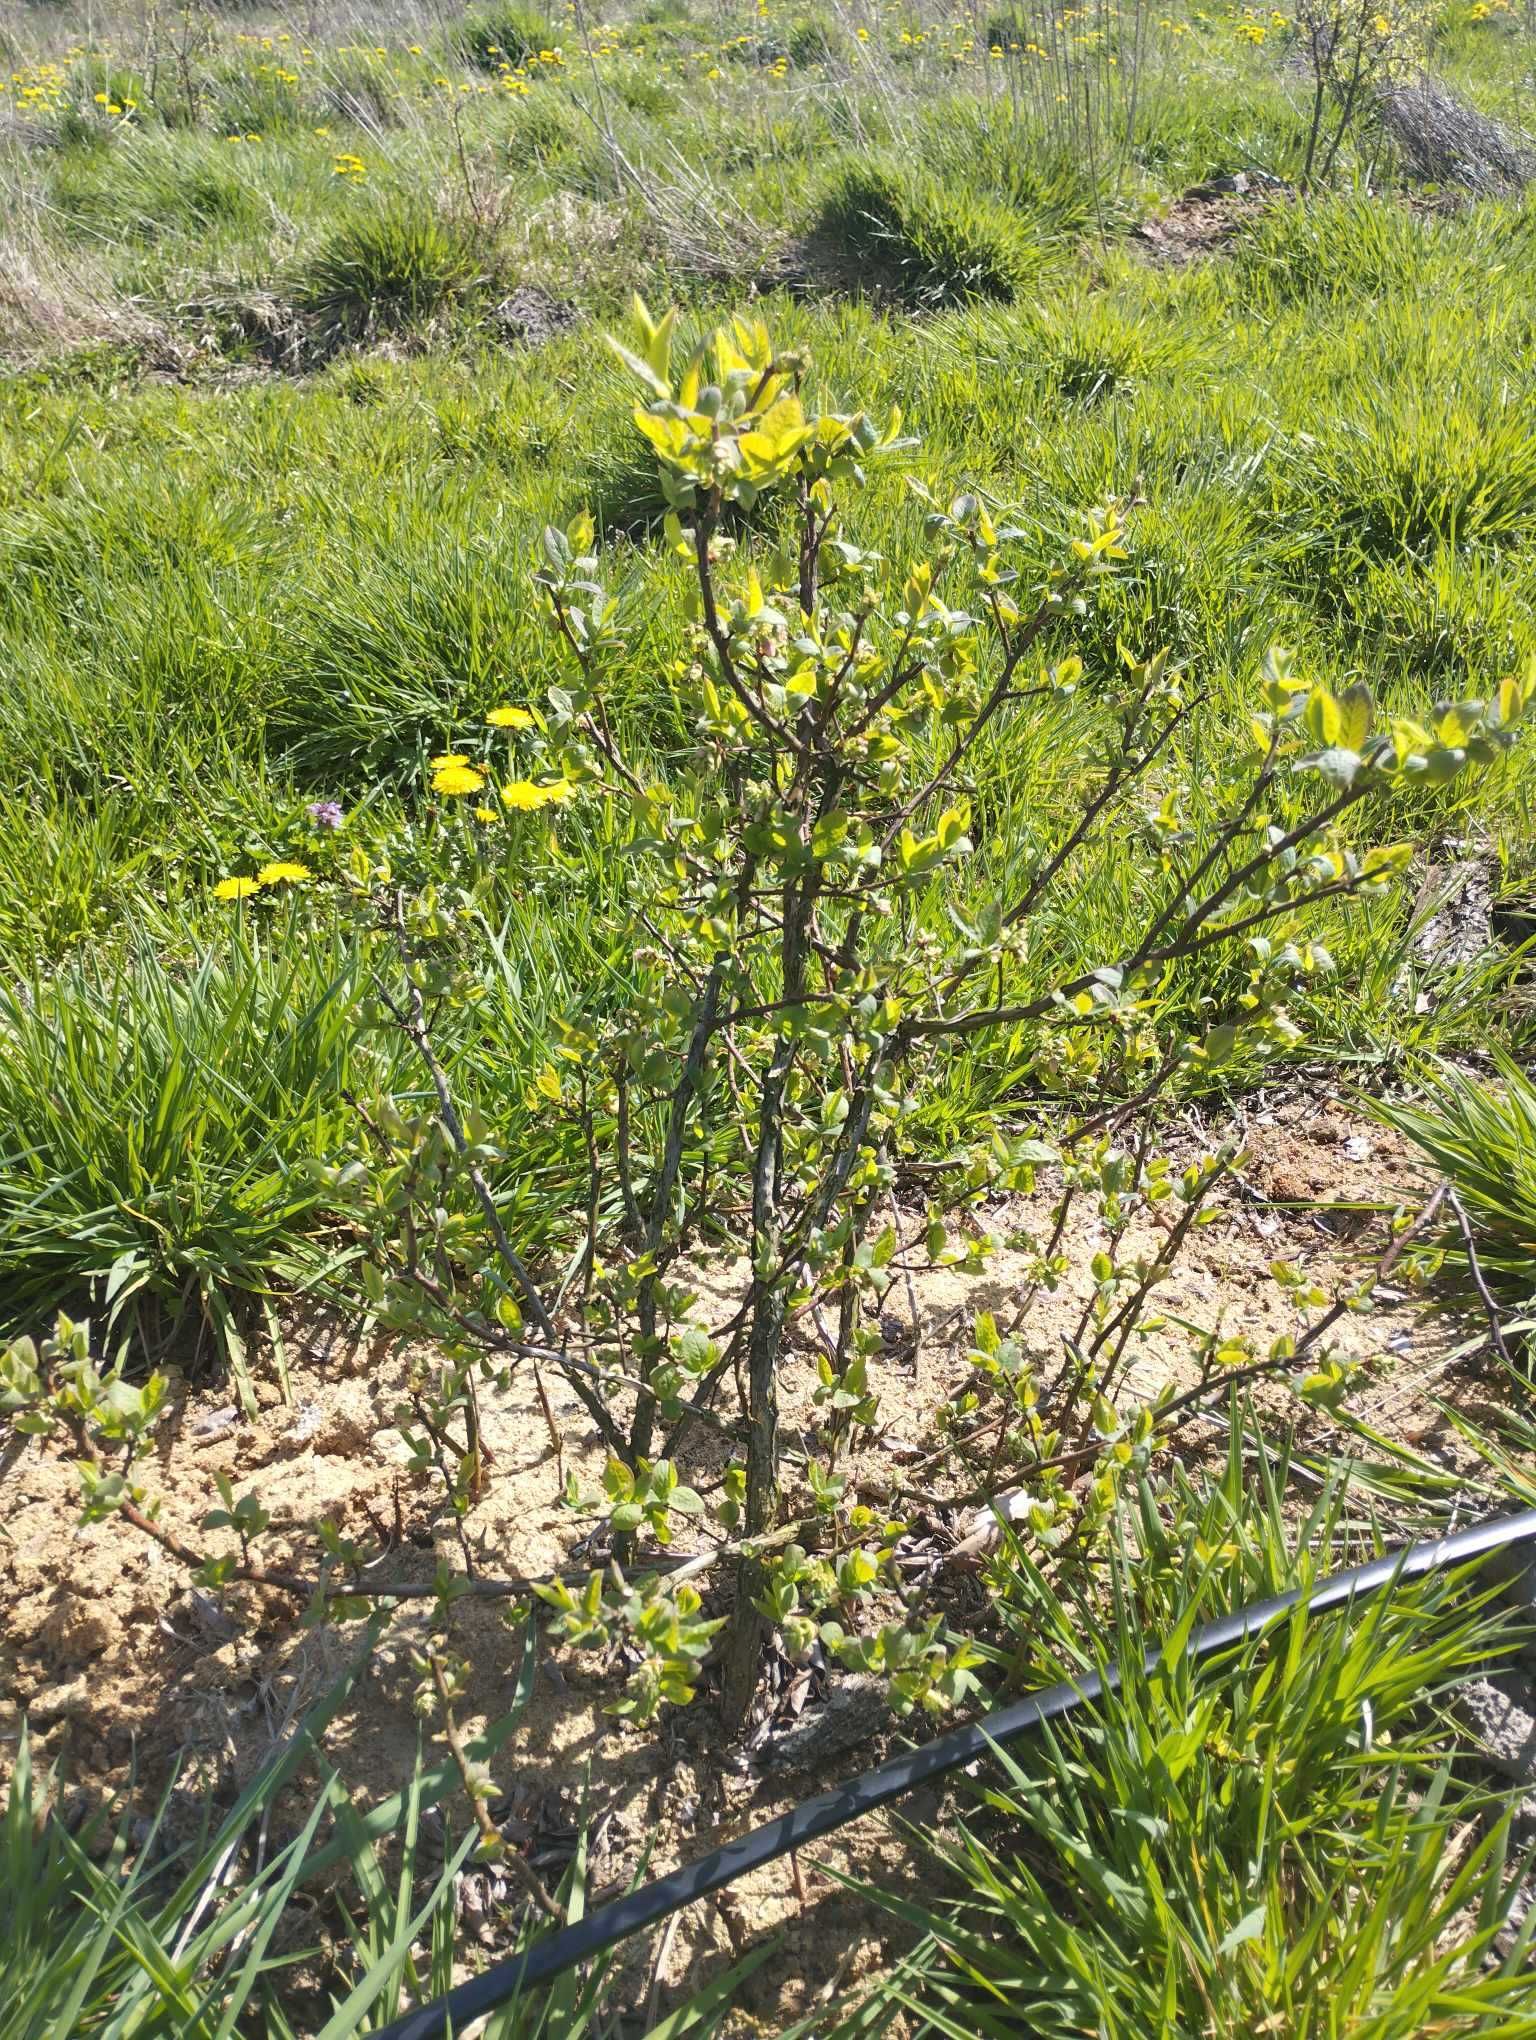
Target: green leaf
<point x="1356" y="714"/>
<point x="1248" y="1928"/>
<point x="1322" y="717"/>
<point x="642" y="369"/>
<point x="1338" y="766"/>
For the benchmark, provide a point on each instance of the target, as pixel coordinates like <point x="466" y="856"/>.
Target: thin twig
<point x="412" y="1020"/>
<point x="1184" y="1406"/>
<point x="493" y="1842"/>
<point x="1495" y="1322"/>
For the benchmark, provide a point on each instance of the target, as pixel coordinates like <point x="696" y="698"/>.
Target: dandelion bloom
<point x="454" y="776"/>
<point x="236" y="888"/>
<point x="286" y="871"/>
<point x="510" y="719"/>
<point x="524" y="795"/>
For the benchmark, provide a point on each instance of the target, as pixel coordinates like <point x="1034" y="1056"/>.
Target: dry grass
<point x="50" y="305"/>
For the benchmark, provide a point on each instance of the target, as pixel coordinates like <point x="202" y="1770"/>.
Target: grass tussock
<point x="385" y="272"/>
<point x="159" y="1129"/>
<point x="500" y="38"/>
<point x="1177" y="1854"/>
<point x="909" y="236"/>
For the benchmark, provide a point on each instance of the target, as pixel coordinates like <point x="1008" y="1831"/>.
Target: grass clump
<point x="503" y="36"/>
<point x="1403" y="476"/>
<point x="926" y="243"/>
<point x="156" y="191"/>
<point x="159" y="1128"/>
<point x="386" y="271"/>
<point x="1262" y="1845"/>
<point x="1481" y="1137"/>
<point x="246" y="102"/>
<point x="545" y="132"/>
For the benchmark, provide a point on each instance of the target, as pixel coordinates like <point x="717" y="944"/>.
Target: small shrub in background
<point x="926" y="242"/>
<point x="1352" y="50"/>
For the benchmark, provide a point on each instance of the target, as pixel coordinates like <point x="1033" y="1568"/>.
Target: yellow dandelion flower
<point x="486" y="814"/>
<point x="510" y="719"/>
<point x="286" y="871"/>
<point x="523" y="795"/>
<point x="447" y="758"/>
<point x="236" y="888"/>
<point x="457" y="779"/>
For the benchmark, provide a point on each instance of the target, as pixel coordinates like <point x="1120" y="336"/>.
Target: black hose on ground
<point x="609" y="1924"/>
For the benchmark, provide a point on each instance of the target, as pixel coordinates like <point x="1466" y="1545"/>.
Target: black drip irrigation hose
<point x="621" y="1917"/>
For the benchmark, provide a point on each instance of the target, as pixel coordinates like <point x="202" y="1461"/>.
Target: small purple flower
<point x="325" y="814"/>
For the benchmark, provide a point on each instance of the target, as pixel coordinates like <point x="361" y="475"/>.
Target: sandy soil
<point x="124" y="1671"/>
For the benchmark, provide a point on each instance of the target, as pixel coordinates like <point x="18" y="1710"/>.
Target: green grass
<point x="161" y="1127"/>
<point x="921" y="240"/>
<point x="498" y="37"/>
<point x="197" y="648"/>
<point x="387" y="271"/>
<point x="1480" y="1136"/>
<point x="1259" y="1843"/>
